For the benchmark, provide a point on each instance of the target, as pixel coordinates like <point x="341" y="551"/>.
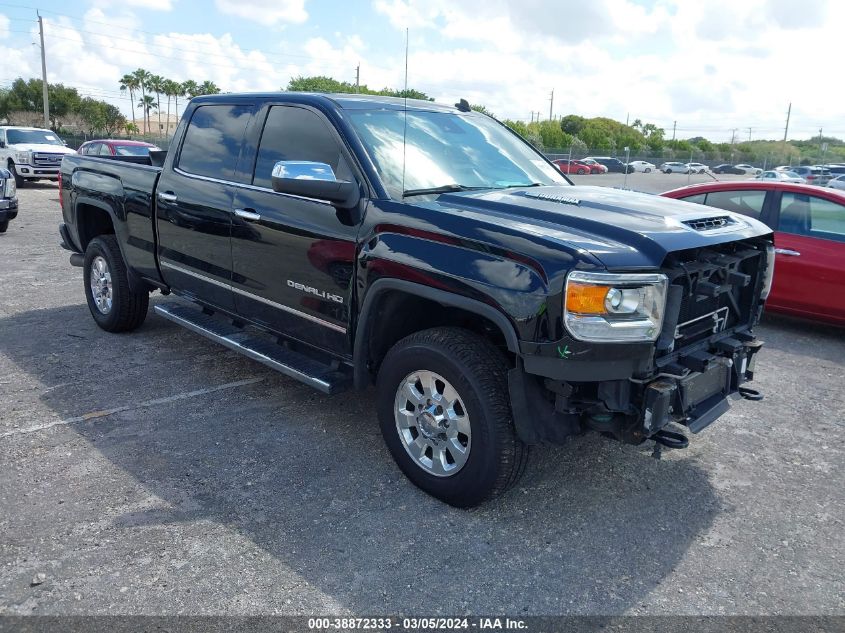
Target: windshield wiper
<point x="442" y="189"/>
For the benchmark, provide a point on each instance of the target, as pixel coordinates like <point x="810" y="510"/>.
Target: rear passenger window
<point x="213" y="140"/>
<point x="748" y="203"/>
<point x="812" y="216"/>
<point x="293" y="133"/>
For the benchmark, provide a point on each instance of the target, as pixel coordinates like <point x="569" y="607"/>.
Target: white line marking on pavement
<point x="149" y="403"/>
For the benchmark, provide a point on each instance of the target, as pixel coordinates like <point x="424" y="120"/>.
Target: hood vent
<point x="710" y="224"/>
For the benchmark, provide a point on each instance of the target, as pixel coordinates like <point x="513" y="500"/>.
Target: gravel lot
<point x="156" y="473"/>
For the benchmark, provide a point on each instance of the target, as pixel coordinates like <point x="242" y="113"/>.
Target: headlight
<point x="615" y="308"/>
<point x="9" y="189"/>
<point x="23" y="158"/>
<point x="770" y="271"/>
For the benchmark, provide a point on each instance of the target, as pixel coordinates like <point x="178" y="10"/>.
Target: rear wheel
<point x="648" y="170"/>
<point x="581" y="172"/>
<point x="113" y="304"/>
<point x="445" y="415"/>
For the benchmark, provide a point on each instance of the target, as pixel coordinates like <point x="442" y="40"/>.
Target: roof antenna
<point x="405" y="123"/>
<point x="463" y="105"/>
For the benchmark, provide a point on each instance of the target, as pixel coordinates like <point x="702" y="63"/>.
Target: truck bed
<point x="122" y="189"/>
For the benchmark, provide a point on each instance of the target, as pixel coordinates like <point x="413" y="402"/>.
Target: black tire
<point x="128" y="308"/>
<point x="581" y="172"/>
<point x="648" y="170"/>
<point x="19" y="182"/>
<point x="478" y="372"/>
<point x="3" y="226"/>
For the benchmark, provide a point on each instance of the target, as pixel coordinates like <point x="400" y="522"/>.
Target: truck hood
<point x="47" y="148"/>
<point x="622" y="229"/>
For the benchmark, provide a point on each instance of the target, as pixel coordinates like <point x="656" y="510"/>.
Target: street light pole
<point x="44" y="73"/>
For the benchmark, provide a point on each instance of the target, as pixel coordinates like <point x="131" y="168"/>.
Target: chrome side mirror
<point x="313" y="180"/>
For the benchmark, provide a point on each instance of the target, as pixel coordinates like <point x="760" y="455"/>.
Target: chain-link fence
<point x="74" y="140"/>
<point x="711" y="159"/>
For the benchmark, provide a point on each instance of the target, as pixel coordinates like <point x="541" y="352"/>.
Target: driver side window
<point x="293" y="133"/>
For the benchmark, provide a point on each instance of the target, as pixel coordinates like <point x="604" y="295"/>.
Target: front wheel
<point x="113" y="304"/>
<point x="581" y="172"/>
<point x="445" y="415"/>
<point x="648" y="170"/>
<point x="3" y="226"/>
<point x="19" y="182"/>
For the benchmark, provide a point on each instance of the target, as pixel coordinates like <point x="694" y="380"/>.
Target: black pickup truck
<point x="350" y="240"/>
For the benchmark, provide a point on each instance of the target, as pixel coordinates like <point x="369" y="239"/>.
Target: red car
<point x="575" y="167"/>
<point x="809" y="225"/>
<point x="116" y="147"/>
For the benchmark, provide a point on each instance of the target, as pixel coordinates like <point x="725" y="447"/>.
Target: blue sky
<point x="717" y="67"/>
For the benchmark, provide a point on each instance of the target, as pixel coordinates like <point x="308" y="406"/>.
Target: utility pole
<point x="733" y="135"/>
<point x="551" y="103"/>
<point x="786" y="129"/>
<point x="674" y="127"/>
<point x="749" y="135"/>
<point x="44" y="73"/>
<point x="358" y="77"/>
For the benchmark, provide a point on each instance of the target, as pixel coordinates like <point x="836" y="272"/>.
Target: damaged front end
<point x="703" y="356"/>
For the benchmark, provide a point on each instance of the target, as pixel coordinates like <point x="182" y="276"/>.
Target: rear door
<point x="293" y="257"/>
<point x="810" y="260"/>
<point x="194" y="203"/>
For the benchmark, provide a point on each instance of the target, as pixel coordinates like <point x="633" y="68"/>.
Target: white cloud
<point x="265" y="11"/>
<point x="4" y="27"/>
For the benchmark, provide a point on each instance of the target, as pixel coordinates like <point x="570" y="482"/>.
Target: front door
<point x="194" y="204"/>
<point x="810" y="254"/>
<point x="293" y="257"/>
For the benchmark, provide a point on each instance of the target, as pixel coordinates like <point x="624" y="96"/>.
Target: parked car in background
<point x="595" y="166"/>
<point x="674" y="167"/>
<point x="727" y="168"/>
<point x="837" y="183"/>
<point x="835" y="170"/>
<point x="574" y="167"/>
<point x="697" y="168"/>
<point x="643" y="166"/>
<point x="613" y="164"/>
<point x="116" y="147"/>
<point x="749" y="169"/>
<point x="31" y="153"/>
<point x="809" y="225"/>
<point x="813" y="175"/>
<point x="780" y="176"/>
<point x="8" y="199"/>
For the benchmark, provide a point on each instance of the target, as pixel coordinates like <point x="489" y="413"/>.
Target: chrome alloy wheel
<point x="101" y="288"/>
<point x="432" y="423"/>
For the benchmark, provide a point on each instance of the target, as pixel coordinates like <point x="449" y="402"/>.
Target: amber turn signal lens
<point x="586" y="298"/>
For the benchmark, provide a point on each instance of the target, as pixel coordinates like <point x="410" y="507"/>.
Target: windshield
<point x="132" y="150"/>
<point x="14" y="137"/>
<point x="448" y="148"/>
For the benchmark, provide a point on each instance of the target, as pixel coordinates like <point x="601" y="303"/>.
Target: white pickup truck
<point x="31" y="153"/>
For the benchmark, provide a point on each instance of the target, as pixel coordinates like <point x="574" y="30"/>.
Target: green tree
<point x="208" y="88"/>
<point x="143" y="77"/>
<point x="130" y="83"/>
<point x="147" y="104"/>
<point x="322" y="83"/>
<point x="190" y="89"/>
<point x="156" y="85"/>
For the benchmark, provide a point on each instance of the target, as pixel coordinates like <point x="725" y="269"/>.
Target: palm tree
<point x="130" y="83"/>
<point x="147" y="103"/>
<point x="209" y="88"/>
<point x="170" y="89"/>
<point x="156" y="85"/>
<point x="190" y="88"/>
<point x="143" y="77"/>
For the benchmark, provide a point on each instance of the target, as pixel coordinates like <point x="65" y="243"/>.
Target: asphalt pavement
<point x="157" y="473"/>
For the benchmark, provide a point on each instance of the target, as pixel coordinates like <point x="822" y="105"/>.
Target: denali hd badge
<point x="315" y="291"/>
<point x="553" y="198"/>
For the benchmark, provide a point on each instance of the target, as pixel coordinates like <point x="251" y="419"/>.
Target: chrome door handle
<point x="166" y="197"/>
<point x="252" y="216"/>
<point x="786" y="251"/>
